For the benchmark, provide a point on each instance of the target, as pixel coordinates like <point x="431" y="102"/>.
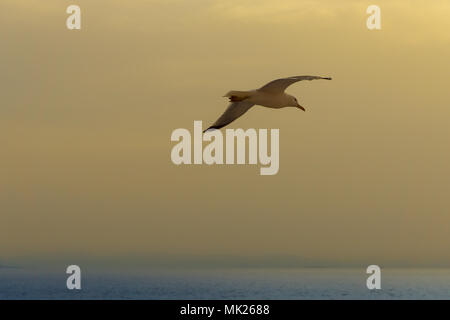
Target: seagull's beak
<point x="300" y="107"/>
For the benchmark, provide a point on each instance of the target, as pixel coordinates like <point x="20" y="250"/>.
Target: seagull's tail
<point x="236" y="96"/>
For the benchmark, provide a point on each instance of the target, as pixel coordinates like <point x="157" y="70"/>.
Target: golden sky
<point x="86" y="118"/>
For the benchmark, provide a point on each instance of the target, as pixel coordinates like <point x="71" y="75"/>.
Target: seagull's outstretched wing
<point x="234" y="111"/>
<point x="279" y="85"/>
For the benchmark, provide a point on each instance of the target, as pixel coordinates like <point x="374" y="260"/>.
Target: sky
<point x="86" y="119"/>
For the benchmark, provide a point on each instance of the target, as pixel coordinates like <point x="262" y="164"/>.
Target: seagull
<point x="271" y="95"/>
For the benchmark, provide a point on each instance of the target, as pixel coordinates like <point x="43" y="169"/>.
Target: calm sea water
<point x="227" y="284"/>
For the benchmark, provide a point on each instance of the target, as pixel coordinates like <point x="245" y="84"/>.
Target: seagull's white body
<point x="271" y="95"/>
<point x="268" y="100"/>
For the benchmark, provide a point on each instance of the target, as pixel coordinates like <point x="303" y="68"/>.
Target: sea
<point x="230" y="284"/>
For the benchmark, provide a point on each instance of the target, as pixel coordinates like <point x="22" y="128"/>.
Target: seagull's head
<point x="294" y="103"/>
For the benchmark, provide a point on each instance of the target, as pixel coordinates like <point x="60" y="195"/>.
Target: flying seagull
<point x="271" y="95"/>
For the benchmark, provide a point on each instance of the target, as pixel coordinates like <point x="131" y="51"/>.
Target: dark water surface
<point x="227" y="284"/>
